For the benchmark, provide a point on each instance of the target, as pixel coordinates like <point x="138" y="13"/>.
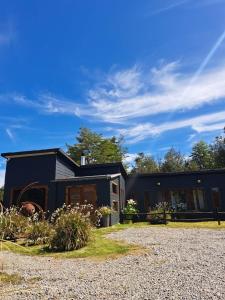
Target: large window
<point x="184" y="199"/>
<point x="82" y="194"/>
<point x="37" y="194"/>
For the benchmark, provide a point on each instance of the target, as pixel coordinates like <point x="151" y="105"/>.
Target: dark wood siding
<point x="22" y="171"/>
<point x="63" y="169"/>
<point x="153" y="184"/>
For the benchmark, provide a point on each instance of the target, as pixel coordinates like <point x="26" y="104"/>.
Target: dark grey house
<point x="54" y="178"/>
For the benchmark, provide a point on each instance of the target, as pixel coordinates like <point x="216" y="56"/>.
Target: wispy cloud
<point x="10" y="134"/>
<point x="2" y="177"/>
<point x="168" y="7"/>
<point x="134" y="93"/>
<point x="189" y="3"/>
<point x="209" y="56"/>
<point x="199" y="124"/>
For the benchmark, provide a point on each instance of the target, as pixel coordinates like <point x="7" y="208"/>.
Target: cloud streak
<point x="10" y="134"/>
<point x="199" y="124"/>
<point x="2" y="177"/>
<point x="130" y="94"/>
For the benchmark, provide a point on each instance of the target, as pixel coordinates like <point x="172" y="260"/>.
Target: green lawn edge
<point x="101" y="247"/>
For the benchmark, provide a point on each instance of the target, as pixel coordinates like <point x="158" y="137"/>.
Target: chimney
<point x="82" y="160"/>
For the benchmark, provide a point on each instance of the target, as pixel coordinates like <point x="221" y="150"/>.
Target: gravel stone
<point x="187" y="264"/>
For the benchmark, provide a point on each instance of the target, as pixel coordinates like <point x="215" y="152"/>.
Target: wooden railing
<point x="175" y="216"/>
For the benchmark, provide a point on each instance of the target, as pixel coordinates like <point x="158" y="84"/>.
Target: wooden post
<point x="217" y="216"/>
<point x="164" y="215"/>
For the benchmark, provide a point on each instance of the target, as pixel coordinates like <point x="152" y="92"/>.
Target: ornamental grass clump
<point x="39" y="233"/>
<point x="72" y="228"/>
<point x="12" y="224"/>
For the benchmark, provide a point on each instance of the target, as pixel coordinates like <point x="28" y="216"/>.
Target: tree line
<point x="99" y="149"/>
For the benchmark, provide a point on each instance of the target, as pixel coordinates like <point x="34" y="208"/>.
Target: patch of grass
<point x="203" y="225"/>
<point x="10" y="278"/>
<point x="99" y="247"/>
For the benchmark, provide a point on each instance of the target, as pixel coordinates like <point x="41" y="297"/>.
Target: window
<point x="216" y="197"/>
<point x="82" y="194"/>
<point x="37" y="194"/>
<point x="114" y="188"/>
<point x="115" y="205"/>
<point x="146" y="201"/>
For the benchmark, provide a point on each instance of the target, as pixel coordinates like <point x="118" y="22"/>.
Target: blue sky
<point x="152" y="70"/>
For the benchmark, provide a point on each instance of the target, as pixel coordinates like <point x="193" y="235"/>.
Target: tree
<point x="202" y="155"/>
<point x="144" y="164"/>
<point x="173" y="161"/>
<point x="218" y="150"/>
<point x="96" y="148"/>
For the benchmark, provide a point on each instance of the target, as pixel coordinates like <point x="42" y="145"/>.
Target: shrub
<point x="131" y="207"/>
<point x="12" y="224"/>
<point x="39" y="233"/>
<point x="159" y="214"/>
<point x="105" y="210"/>
<point x="72" y="229"/>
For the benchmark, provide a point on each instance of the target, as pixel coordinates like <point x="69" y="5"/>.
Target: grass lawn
<point x="100" y="246"/>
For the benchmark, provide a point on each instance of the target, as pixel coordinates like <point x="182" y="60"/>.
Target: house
<point x="50" y="178"/>
<point x="202" y="190"/>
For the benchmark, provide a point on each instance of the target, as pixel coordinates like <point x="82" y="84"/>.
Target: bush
<point x="159" y="214"/>
<point x="130" y="209"/>
<point x="39" y="233"/>
<point x="12" y="224"/>
<point x="72" y="229"/>
<point x="105" y="210"/>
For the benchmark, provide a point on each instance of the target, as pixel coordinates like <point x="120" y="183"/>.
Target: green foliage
<point x="96" y="148"/>
<point x="12" y="224"/>
<point x="145" y="164"/>
<point x="218" y="150"/>
<point x="105" y="210"/>
<point x="202" y="155"/>
<point x="159" y="214"/>
<point x="38" y="233"/>
<point x="131" y="207"/>
<point x="173" y="161"/>
<point x="72" y="231"/>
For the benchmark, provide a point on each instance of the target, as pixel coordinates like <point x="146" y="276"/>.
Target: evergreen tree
<point x="202" y="155"/>
<point x="96" y="148"/>
<point x="144" y="164"/>
<point x="173" y="161"/>
<point x="218" y="150"/>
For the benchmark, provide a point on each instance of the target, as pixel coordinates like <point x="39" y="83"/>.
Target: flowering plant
<point x="105" y="210"/>
<point x="131" y="207"/>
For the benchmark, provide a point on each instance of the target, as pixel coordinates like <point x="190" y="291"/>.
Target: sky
<point x="151" y="70"/>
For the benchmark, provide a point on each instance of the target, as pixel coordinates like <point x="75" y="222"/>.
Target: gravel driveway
<point x="180" y="264"/>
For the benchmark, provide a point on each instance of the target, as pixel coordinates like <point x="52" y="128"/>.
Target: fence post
<point x="164" y="216"/>
<point x="217" y="216"/>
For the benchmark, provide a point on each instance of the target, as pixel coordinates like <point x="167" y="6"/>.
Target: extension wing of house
<point x="51" y="178"/>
